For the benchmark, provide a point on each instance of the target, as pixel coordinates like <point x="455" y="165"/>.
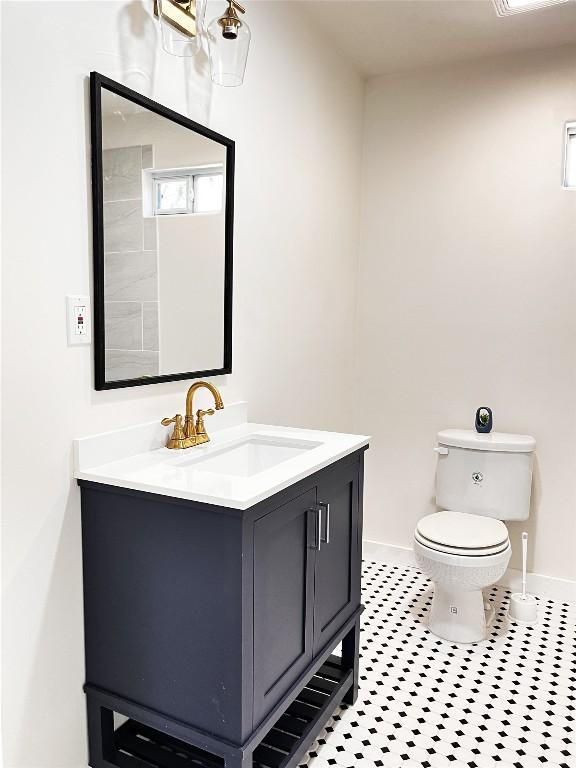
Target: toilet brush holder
<point x="523" y="607"/>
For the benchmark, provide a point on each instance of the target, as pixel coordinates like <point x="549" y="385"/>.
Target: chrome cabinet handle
<point x="326" y="506"/>
<point x="319" y="530"/>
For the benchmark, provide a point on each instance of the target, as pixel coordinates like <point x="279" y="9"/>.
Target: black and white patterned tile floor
<point x="426" y="703"/>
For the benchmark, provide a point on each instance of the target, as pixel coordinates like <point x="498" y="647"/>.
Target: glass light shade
<point x="174" y="41"/>
<point x="228" y="56"/>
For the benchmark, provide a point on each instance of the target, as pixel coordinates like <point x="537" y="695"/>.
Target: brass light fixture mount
<point x="228" y="37"/>
<point x="180" y="14"/>
<point x="230" y="21"/>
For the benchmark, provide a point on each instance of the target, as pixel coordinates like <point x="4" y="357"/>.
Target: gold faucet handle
<point x="177" y="437"/>
<point x="200" y="428"/>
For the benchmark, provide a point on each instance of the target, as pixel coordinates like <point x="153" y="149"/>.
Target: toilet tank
<point x="485" y="474"/>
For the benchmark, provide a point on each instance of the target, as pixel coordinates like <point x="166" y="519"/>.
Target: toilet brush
<point x="523" y="607"/>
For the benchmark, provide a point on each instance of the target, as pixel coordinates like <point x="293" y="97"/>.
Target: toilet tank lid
<point x="494" y="441"/>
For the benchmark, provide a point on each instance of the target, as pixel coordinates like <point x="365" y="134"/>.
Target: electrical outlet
<point x="78" y="320"/>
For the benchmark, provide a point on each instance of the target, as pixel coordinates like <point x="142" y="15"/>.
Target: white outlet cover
<point x="78" y="320"/>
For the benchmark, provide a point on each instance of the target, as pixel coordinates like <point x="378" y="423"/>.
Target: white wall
<point x="298" y="116"/>
<point x="467" y="292"/>
<point x="191" y="280"/>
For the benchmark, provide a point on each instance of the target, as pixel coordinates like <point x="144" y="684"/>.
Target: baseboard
<point x="392" y="554"/>
<point x="545" y="587"/>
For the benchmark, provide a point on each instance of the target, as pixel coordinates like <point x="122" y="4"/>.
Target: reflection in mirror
<point x="165" y="255"/>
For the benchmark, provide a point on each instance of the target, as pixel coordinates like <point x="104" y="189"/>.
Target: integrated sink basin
<point x="249" y="456"/>
<point x="243" y="463"/>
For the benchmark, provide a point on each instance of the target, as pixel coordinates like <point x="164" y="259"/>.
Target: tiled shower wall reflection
<point x="130" y="267"/>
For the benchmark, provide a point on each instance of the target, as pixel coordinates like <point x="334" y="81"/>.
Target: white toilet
<point x="481" y="480"/>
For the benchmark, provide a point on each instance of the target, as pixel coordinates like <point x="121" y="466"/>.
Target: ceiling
<point x="382" y="36"/>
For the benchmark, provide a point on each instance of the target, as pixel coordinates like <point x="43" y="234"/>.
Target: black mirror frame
<point x="97" y="82"/>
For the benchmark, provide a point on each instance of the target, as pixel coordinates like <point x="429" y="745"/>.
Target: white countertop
<point x="242" y="464"/>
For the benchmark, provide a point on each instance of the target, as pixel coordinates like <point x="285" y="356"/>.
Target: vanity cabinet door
<point x="338" y="561"/>
<point x="284" y="556"/>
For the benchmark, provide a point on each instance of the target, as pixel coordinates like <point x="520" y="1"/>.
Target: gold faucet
<point x="193" y="433"/>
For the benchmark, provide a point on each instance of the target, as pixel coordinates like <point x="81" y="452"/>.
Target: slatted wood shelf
<point x="139" y="746"/>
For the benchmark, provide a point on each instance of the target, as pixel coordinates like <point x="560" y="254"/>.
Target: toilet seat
<point x="460" y="533"/>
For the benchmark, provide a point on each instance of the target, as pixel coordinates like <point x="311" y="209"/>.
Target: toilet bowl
<point x="462" y="554"/>
<point x="481" y="480"/>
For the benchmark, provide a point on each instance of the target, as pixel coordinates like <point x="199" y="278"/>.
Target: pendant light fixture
<point x="228" y="44"/>
<point x="182" y="24"/>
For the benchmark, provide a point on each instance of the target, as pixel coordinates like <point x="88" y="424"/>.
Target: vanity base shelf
<point x="139" y="746"/>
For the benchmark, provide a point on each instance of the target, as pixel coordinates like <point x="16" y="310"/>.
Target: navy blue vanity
<point x="210" y="631"/>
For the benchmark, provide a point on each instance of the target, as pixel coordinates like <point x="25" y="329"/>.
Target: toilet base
<point x="459" y="616"/>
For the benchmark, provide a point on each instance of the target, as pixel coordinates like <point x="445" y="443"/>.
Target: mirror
<point x="163" y="198"/>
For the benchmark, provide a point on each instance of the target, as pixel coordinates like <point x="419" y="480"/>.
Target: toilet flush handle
<point x="442" y="450"/>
